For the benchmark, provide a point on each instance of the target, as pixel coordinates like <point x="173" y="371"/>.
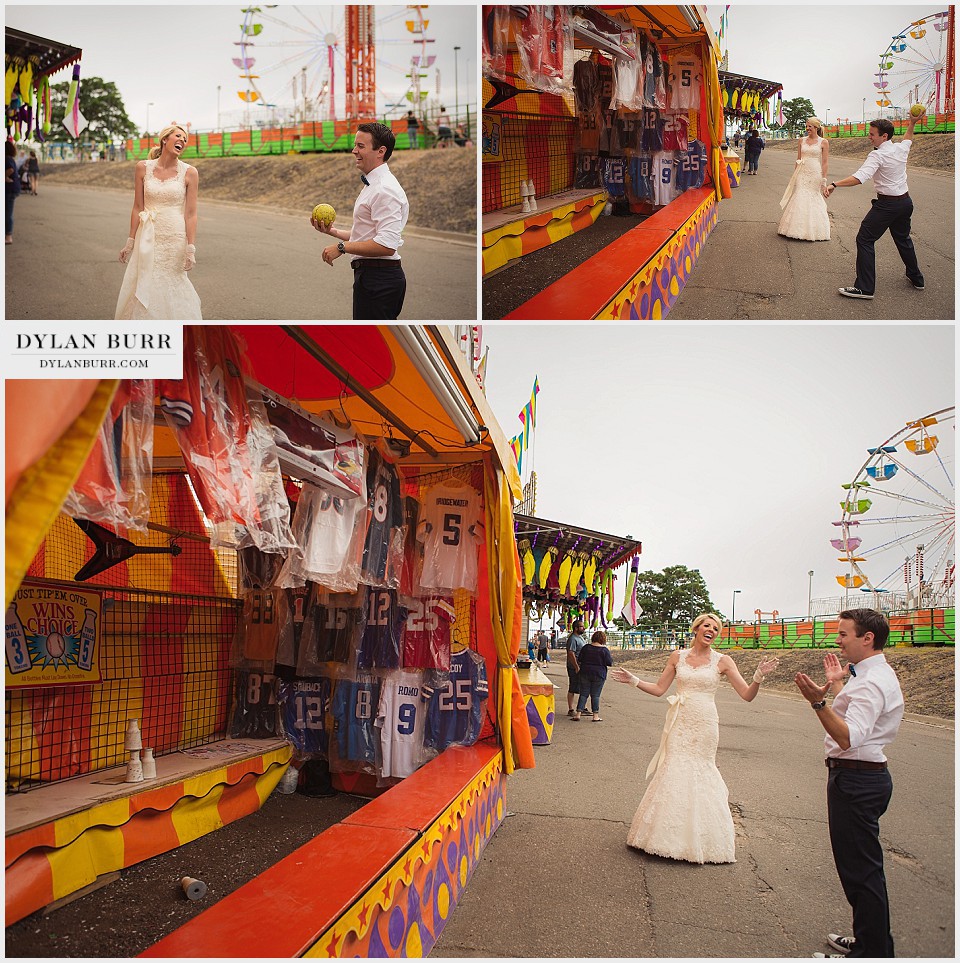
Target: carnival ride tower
<point x="361" y="82"/>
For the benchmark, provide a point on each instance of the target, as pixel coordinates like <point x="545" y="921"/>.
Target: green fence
<point x="941" y="124"/>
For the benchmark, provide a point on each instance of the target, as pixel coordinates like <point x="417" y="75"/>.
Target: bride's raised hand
<point x="622" y="675"/>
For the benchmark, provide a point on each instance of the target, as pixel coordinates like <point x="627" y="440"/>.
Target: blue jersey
<point x="380" y="642"/>
<point x="385" y="513"/>
<point x="355" y="706"/>
<point x="455" y="703"/>
<point x="614" y="179"/>
<point x="331" y="630"/>
<point x="304" y="705"/>
<point x="652" y="137"/>
<point x="587" y="172"/>
<point x="641" y="177"/>
<point x="692" y="166"/>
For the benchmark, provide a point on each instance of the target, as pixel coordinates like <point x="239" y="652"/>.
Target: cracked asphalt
<point x="558" y="880"/>
<point x="749" y="272"/>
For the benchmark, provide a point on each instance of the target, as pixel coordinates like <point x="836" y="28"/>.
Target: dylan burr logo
<point x="94" y="350"/>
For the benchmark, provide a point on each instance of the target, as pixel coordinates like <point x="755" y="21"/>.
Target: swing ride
<point x="916" y="67"/>
<point x="897" y="528"/>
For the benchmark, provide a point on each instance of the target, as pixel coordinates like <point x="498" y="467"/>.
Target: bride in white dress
<point x="163" y="228"/>
<point x="804" y="208"/>
<point x="685" y="812"/>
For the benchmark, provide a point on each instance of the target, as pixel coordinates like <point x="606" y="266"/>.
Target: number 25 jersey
<point x="455" y="705"/>
<point x="450" y="530"/>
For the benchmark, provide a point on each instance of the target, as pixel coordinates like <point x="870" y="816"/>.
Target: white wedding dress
<point x="685" y="812"/>
<point x="804" y="209"/>
<point x="155" y="286"/>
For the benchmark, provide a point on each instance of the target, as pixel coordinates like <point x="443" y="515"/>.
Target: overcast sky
<point x="722" y="447"/>
<point x="176" y="55"/>
<point x="828" y="54"/>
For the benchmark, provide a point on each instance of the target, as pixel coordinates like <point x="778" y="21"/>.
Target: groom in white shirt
<point x="373" y="242"/>
<point x="892" y="209"/>
<point x="862" y="721"/>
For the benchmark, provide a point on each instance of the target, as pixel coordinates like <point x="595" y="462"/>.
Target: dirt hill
<point x="930" y="151"/>
<point x="926" y="675"/>
<point x="441" y="185"/>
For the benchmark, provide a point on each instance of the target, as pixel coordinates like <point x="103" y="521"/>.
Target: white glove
<point x="623" y="675"/>
<point x="190" y="260"/>
<point x="127" y="248"/>
<point x="798" y="162"/>
<point x="765" y="667"/>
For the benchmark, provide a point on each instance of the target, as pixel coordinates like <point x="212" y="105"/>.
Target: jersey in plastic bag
<point x="331" y="630"/>
<point x="256" y="714"/>
<point x="355" y="705"/>
<point x="455" y="704"/>
<point x="400" y="719"/>
<point x="304" y="707"/>
<point x="380" y="641"/>
<point x="385" y="509"/>
<point x="450" y="530"/>
<point x="426" y="632"/>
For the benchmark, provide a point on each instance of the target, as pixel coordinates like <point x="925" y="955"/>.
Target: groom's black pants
<point x="886" y="213"/>
<point x="856" y="799"/>
<point x="379" y="286"/>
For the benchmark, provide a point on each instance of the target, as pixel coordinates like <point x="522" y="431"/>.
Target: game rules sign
<point x="52" y="636"/>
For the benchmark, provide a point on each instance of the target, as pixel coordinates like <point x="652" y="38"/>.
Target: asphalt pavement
<point x="558" y="880"/>
<point x="749" y="272"/>
<point x="253" y="263"/>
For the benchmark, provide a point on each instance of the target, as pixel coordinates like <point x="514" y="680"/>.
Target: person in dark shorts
<point x="575" y="642"/>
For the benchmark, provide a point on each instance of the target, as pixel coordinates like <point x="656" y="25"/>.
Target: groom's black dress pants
<point x="856" y="800"/>
<point x="379" y="286"/>
<point x="886" y="213"/>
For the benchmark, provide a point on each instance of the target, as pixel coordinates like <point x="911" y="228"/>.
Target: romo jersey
<point x="380" y="642"/>
<point x="304" y="704"/>
<point x="450" y="531"/>
<point x="455" y="704"/>
<point x="664" y="177"/>
<point x="401" y="719"/>
<point x="355" y="704"/>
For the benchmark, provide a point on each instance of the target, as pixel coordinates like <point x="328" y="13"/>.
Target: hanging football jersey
<point x="587" y="172"/>
<point x="255" y="715"/>
<point x="614" y="180"/>
<point x="355" y="704"/>
<point x="675" y="131"/>
<point x="627" y="85"/>
<point x="304" y="707"/>
<point x="412" y="549"/>
<point x="649" y="77"/>
<point x="664" y="177"/>
<point x="331" y="630"/>
<point x="400" y="719"/>
<point x="261" y="620"/>
<point x="685" y="79"/>
<point x="455" y="704"/>
<point x="652" y="139"/>
<point x="692" y="166"/>
<point x="380" y="641"/>
<point x="586" y="88"/>
<point x="385" y="516"/>
<point x="450" y="529"/>
<point x="292" y="629"/>
<point x="641" y="177"/>
<point x="588" y="132"/>
<point x="426" y="632"/>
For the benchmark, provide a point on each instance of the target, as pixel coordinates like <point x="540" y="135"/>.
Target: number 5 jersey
<point x="450" y="529"/>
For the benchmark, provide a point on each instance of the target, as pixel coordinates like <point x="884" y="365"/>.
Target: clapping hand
<point x="622" y="675"/>
<point x="809" y="689"/>
<point x="767" y="665"/>
<point x="834" y="671"/>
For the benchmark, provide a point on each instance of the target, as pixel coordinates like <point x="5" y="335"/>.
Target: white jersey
<point x="628" y="85"/>
<point x="323" y="526"/>
<point x="400" y="719"/>
<point x="664" y="177"/>
<point x="685" y="80"/>
<point x="450" y="529"/>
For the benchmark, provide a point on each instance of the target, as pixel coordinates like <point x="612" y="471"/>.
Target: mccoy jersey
<point x="426" y="632"/>
<point x="400" y="720"/>
<point x="450" y="531"/>
<point x="692" y="166"/>
<point x="455" y="705"/>
<point x="355" y="704"/>
<point x="380" y="642"/>
<point x="255" y="714"/>
<point x="304" y="705"/>
<point x="385" y="513"/>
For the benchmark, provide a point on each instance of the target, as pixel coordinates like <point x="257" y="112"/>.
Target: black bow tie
<point x="853" y="669"/>
<point x="363" y="177"/>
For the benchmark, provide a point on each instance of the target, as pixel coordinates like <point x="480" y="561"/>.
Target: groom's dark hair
<point x="381" y="135"/>
<point x="869" y="620"/>
<point x="883" y="126"/>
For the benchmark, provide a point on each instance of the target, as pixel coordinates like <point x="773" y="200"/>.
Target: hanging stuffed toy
<point x="73" y="120"/>
<point x="546" y="563"/>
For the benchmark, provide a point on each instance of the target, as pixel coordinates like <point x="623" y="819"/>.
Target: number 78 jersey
<point x="450" y="529"/>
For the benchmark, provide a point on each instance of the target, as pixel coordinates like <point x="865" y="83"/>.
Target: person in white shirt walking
<point x="373" y="242"/>
<point x="862" y="721"/>
<point x="892" y="209"/>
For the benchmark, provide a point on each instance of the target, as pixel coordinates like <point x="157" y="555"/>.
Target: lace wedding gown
<point x="155" y="286"/>
<point x="685" y="813"/>
<point x="804" y="210"/>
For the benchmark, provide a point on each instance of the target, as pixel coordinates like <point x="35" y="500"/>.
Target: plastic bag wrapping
<point x="451" y="529"/>
<point x="305" y="715"/>
<point x="383" y="545"/>
<point x="496" y="33"/>
<point x="455" y="702"/>
<point x="329" y="532"/>
<point x="257" y="636"/>
<point x="114" y="485"/>
<point x="426" y="631"/>
<point x="288" y="644"/>
<point x="400" y="721"/>
<point x="256" y="713"/>
<point x="412" y="559"/>
<point x="355" y="746"/>
<point x="332" y="627"/>
<point x="383" y="625"/>
<point x="545" y="43"/>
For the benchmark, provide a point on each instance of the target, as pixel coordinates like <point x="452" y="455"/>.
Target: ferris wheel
<point x="304" y="56"/>
<point x="914" y="66"/>
<point x="897" y="530"/>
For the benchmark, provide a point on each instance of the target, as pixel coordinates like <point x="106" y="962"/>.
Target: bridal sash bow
<point x="675" y="702"/>
<point x="145" y="256"/>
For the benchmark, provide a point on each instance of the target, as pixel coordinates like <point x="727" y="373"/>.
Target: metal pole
<point x="733" y="613"/>
<point x="809" y="593"/>
<point x="456" y="86"/>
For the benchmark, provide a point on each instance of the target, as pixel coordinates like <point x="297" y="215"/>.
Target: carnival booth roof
<point x="683" y="22"/>
<point x="48" y="56"/>
<point x="765" y="88"/>
<point x="383" y="379"/>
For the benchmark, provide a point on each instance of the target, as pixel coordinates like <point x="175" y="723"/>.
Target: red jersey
<point x="426" y="632"/>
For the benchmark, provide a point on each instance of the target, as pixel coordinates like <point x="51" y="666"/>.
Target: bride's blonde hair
<point x="700" y="619"/>
<point x="818" y="122"/>
<point x="157" y="150"/>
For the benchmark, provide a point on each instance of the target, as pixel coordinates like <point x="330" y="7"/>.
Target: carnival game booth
<point x="748" y="102"/>
<point x="300" y="553"/>
<point x="585" y="105"/>
<point x="568" y="573"/>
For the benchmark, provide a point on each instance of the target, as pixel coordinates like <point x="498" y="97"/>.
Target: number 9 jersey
<point x="400" y="720"/>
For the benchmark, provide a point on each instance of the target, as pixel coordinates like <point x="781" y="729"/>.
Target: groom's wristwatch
<point x="341" y="248"/>
<point x="817" y="706"/>
<point x="833" y="184"/>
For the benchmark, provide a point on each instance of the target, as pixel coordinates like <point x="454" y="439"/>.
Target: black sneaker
<point x="829" y="956"/>
<point x="843" y="944"/>
<point x="917" y="285"/>
<point x="855" y="293"/>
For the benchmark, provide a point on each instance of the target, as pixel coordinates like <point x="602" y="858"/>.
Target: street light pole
<point x="809" y="594"/>
<point x="147" y="131"/>
<point x="826" y="120"/>
<point x="863" y="112"/>
<point x="456" y="85"/>
<point x="733" y="613"/>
